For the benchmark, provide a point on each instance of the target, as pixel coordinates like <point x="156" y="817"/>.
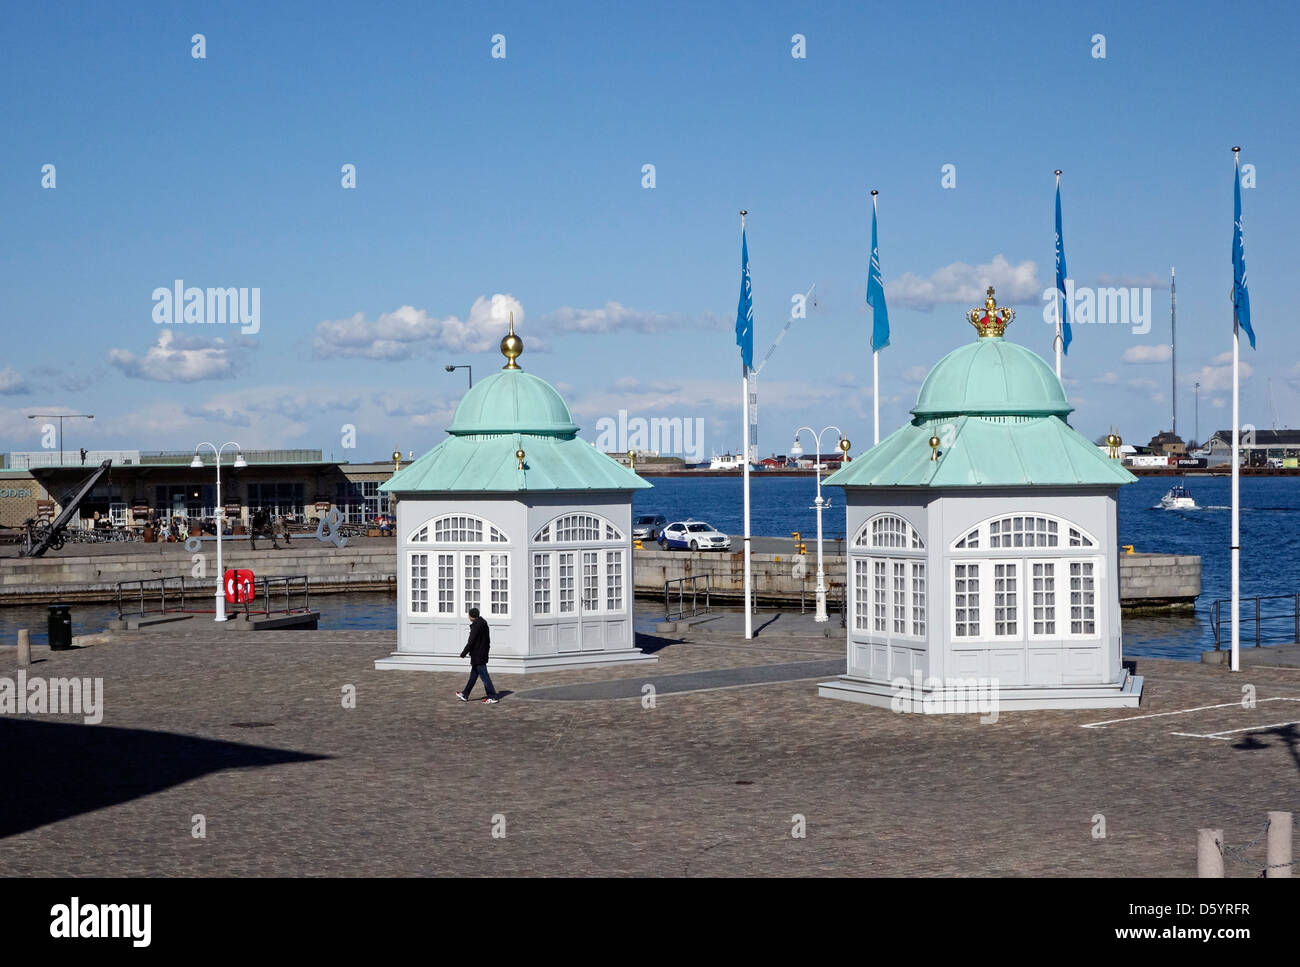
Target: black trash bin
<point x="60" y="627"/>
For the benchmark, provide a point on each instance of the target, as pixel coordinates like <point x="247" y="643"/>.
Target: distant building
<point x="1167" y="443"/>
<point x="1259" y="446"/>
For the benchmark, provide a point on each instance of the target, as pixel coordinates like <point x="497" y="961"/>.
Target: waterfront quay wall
<point x="61" y="576"/>
<point x="1148" y="582"/>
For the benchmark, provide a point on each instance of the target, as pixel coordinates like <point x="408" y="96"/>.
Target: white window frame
<point x="878" y="594"/>
<point x="457" y="552"/>
<point x="1024" y="589"/>
<point x="605" y="530"/>
<point x="585" y="586"/>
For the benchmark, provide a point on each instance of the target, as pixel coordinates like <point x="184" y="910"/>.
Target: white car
<point x="693" y="535"/>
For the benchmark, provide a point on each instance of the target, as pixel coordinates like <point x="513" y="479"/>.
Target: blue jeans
<point x="475" y="673"/>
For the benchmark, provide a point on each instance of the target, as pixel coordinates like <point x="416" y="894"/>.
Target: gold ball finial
<point x="631" y="459"/>
<point x="1113" y="443"/>
<point x="519" y="455"/>
<point x="512" y="347"/>
<point x="397" y="460"/>
<point x="844" y="448"/>
<point x="934" y="448"/>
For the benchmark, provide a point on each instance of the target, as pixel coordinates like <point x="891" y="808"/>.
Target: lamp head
<point x="795" y="449"/>
<point x="196" y="463"/>
<point x="240" y="462"/>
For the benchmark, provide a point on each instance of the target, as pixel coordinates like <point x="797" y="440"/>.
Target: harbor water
<point x="1269" y="560"/>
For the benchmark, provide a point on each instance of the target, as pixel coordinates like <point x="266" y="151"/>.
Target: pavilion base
<point x="978" y="697"/>
<point x="513" y="664"/>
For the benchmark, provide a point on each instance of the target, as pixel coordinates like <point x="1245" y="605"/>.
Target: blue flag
<point x="1240" y="296"/>
<point x="745" y="310"/>
<point x="1061" y="272"/>
<point x="876" y="295"/>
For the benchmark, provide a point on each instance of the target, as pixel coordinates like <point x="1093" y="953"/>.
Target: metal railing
<point x="689" y="585"/>
<point x="154" y="588"/>
<point x="1283" y="619"/>
<point x="169" y="595"/>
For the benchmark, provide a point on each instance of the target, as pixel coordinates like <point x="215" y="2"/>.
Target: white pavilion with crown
<point x="515" y="515"/>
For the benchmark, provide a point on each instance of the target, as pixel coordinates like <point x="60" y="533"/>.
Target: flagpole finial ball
<point x="1236" y="147"/>
<point x="1058" y="172"/>
<point x="743" y="212"/>
<point x="874" y="192"/>
<point x="512" y="347"/>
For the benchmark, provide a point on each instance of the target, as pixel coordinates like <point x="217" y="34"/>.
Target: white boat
<point x="727" y="461"/>
<point x="1178" y="499"/>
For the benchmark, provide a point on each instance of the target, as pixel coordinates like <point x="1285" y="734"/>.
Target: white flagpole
<point x="875" y="354"/>
<point x="875" y="391"/>
<point x="1236" y="509"/>
<point x="744" y="384"/>
<point x="1236" y="469"/>
<point x="1059" y="341"/>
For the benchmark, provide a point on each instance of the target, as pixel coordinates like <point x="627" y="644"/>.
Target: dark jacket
<point x="479" y="643"/>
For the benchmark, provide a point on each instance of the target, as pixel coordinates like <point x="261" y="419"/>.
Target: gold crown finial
<point x="991" y="320"/>
<point x="512" y="347"/>
<point x="1113" y="443"/>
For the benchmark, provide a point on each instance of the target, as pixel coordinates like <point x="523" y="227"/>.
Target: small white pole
<point x="1280" y="858"/>
<point x="221" y="574"/>
<point x="1236" y="502"/>
<point x="1209" y="854"/>
<point x="875" y="392"/>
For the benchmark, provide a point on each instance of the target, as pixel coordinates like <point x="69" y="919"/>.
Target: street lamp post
<point x="1197" y="431"/>
<point x="239" y="464"/>
<point x="797" y="451"/>
<point x="60" y="417"/>
<point x="451" y="369"/>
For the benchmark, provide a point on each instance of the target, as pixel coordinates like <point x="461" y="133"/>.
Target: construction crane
<point x="809" y="300"/>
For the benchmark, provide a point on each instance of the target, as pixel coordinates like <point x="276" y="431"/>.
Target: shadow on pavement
<point x="56" y="770"/>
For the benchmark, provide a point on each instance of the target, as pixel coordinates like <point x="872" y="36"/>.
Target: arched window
<point x="1038" y="580"/>
<point x="572" y="578"/>
<point x="445" y="581"/>
<point x="1023" y="531"/>
<point x="577" y="529"/>
<point x="889" y="580"/>
<point x="889" y="530"/>
<point x="458" y="529"/>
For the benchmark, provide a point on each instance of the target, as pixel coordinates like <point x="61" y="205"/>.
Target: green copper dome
<point x="991" y="376"/>
<point x="513" y="401"/>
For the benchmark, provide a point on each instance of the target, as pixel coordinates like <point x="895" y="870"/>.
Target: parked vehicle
<point x="693" y="535"/>
<point x="649" y="528"/>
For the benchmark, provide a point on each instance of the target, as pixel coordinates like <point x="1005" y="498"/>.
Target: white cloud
<point x="1147" y="354"/>
<point x="960" y="282"/>
<point x="615" y="316"/>
<point x="11" y="383"/>
<point x="1214" y="378"/>
<point x="1107" y="379"/>
<point x="182" y="358"/>
<point x="1219" y="403"/>
<point x="916" y="374"/>
<point x="407" y="332"/>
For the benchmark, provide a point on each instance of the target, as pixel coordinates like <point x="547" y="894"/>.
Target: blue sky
<point x="521" y="178"/>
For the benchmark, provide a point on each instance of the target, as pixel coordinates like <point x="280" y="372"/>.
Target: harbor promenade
<point x="576" y="775"/>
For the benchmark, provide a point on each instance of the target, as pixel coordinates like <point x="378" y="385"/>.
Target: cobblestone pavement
<point x="250" y="731"/>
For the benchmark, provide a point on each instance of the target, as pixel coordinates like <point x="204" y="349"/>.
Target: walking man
<point x="477" y="647"/>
